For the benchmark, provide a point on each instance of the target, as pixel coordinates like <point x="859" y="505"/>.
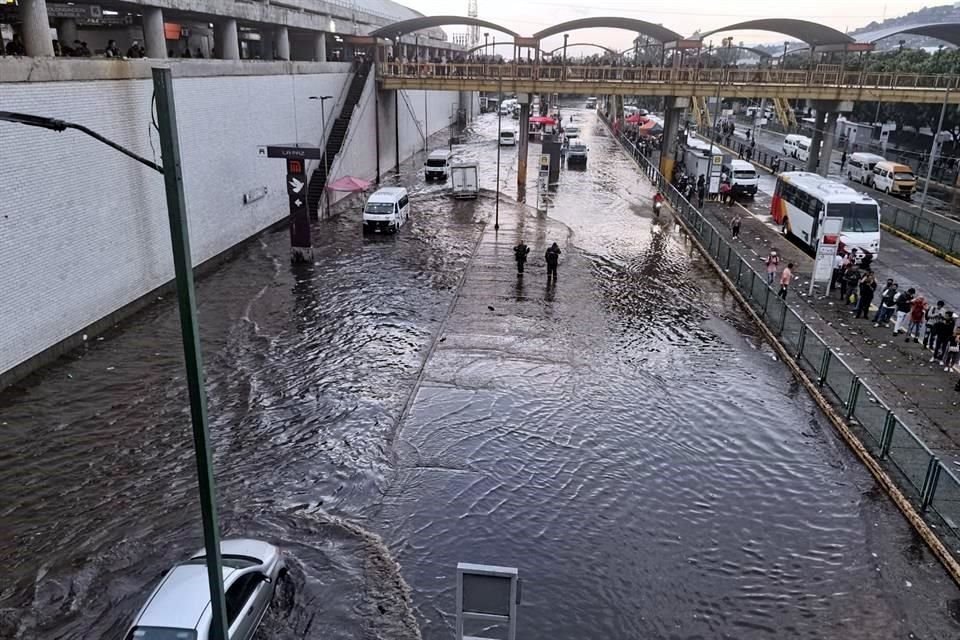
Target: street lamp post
<point x="933" y="150"/>
<point x="496" y="223"/>
<point x="186" y="299"/>
<point x="486" y="42"/>
<point x="323" y="136"/>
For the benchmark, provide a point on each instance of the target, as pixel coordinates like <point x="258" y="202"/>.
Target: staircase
<point x="701" y="113"/>
<point x="784" y="112"/>
<point x="318" y="180"/>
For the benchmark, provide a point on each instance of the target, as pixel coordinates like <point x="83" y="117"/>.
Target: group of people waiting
<point x="907" y="312"/>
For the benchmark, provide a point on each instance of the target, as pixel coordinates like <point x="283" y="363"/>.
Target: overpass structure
<point x="832" y="90"/>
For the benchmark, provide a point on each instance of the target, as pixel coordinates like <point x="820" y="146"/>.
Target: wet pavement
<point x="900" y="371"/>
<point x="623" y="437"/>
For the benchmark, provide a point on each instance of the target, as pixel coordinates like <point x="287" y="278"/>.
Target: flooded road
<point x="626" y="440"/>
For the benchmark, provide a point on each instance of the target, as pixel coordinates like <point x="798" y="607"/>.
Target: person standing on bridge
<point x="888" y="304"/>
<point x="520" y="253"/>
<point x="552" y="256"/>
<point x="701" y="190"/>
<point x="843" y="160"/>
<point x="918" y="311"/>
<point x="868" y="286"/>
<point x="904" y="302"/>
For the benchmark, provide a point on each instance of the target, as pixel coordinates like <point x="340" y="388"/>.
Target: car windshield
<point x="161" y="633"/>
<point x="379" y="207"/>
<point x="903" y="175"/>
<point x="436" y="162"/>
<point x="746" y="175"/>
<point x="857" y="217"/>
<point x="237" y="562"/>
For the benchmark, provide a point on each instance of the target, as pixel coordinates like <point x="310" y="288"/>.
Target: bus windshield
<point x="857" y="217"/>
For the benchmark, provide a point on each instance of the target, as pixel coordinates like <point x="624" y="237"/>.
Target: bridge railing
<point x="661" y="75"/>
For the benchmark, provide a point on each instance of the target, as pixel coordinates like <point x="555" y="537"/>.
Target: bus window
<point x="857" y="218"/>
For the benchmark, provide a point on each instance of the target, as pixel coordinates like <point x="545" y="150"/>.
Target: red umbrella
<point x="349" y="184"/>
<point x="542" y="120"/>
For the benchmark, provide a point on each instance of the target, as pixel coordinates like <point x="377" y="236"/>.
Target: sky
<point x="529" y="16"/>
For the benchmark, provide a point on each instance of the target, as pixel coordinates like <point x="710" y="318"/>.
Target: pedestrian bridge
<point x="537" y="77"/>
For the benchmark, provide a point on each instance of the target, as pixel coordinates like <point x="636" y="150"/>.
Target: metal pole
<point x="496" y="223"/>
<point x="716" y="111"/>
<point x="326" y="168"/>
<point x="376" y="124"/>
<point x="425" y="130"/>
<point x="565" y="37"/>
<point x="396" y="127"/>
<point x="193" y="360"/>
<point x="933" y="150"/>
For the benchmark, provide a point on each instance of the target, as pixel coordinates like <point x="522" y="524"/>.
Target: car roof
<point x="245" y="547"/>
<point x="830" y="191"/>
<point x="896" y="166"/>
<point x="736" y="163"/>
<point x="863" y="155"/>
<point x="439" y="153"/>
<point x="180" y="599"/>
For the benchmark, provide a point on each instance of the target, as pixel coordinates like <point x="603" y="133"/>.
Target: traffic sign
<point x="302" y="151"/>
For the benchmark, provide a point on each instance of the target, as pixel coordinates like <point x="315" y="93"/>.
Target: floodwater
<point x="626" y="440"/>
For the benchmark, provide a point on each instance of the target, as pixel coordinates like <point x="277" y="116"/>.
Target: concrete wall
<point x="361" y="160"/>
<point x="83" y="229"/>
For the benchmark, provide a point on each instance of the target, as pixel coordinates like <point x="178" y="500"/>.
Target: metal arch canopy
<point x="588" y="44"/>
<point x="655" y="31"/>
<point x="947" y="31"/>
<point x="417" y="24"/>
<point x="810" y="32"/>
<point x="502" y="43"/>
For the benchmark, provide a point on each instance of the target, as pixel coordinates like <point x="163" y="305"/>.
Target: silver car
<point x="179" y="608"/>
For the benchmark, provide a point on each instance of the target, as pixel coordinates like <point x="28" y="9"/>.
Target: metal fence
<point x="941" y="234"/>
<point x="932" y="487"/>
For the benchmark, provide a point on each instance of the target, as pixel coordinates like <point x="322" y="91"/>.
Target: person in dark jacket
<point x="552" y="256"/>
<point x="868" y="286"/>
<point x="520" y="253"/>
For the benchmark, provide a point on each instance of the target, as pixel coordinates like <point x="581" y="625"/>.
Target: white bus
<point x="802" y="199"/>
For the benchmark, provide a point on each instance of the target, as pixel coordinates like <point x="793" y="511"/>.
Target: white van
<point x="508" y="138"/>
<point x="437" y="165"/>
<point x="791" y="144"/>
<point x="743" y="177"/>
<point x="572" y="132"/>
<point x="860" y="166"/>
<point x="894" y="178"/>
<point x="803" y="149"/>
<point x="387" y="209"/>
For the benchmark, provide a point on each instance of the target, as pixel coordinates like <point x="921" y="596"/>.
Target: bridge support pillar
<point x="36" y="28"/>
<point x="523" y="146"/>
<point x="829" y="138"/>
<point x="227" y="40"/>
<point x="813" y="159"/>
<point x="672" y="114"/>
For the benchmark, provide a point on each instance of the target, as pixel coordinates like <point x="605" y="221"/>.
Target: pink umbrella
<point x="349" y="184"/>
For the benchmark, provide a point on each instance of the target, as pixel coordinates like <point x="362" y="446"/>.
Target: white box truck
<point x="465" y="180"/>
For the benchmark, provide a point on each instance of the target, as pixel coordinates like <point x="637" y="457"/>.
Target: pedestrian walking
<point x="933" y="320"/>
<point x="786" y="276"/>
<point x="775" y="166"/>
<point x="868" y="286"/>
<point x="735" y="225"/>
<point x="701" y="192"/>
<point x="918" y="310"/>
<point x="520" y="253"/>
<point x="904" y="301"/>
<point x="772" y="261"/>
<point x="888" y="304"/>
<point x="552" y="256"/>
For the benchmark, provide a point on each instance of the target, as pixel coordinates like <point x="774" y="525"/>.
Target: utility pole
<point x="933" y="150"/>
<point x="193" y="359"/>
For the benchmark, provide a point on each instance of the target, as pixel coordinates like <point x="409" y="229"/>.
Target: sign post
<point x="828" y="243"/>
<point x="543" y="180"/>
<point x="296" y="155"/>
<point x="487" y="596"/>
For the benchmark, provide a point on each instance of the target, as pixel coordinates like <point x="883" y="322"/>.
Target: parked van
<point x="743" y="177"/>
<point x="508" y="138"/>
<point x="895" y="178"/>
<point x="572" y="132"/>
<point x="803" y="149"/>
<point x="437" y="165"/>
<point x="386" y="209"/>
<point x="791" y="144"/>
<point x="860" y="166"/>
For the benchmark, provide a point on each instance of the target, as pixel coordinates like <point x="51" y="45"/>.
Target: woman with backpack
<point x="772" y="262"/>
<point x="887" y="304"/>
